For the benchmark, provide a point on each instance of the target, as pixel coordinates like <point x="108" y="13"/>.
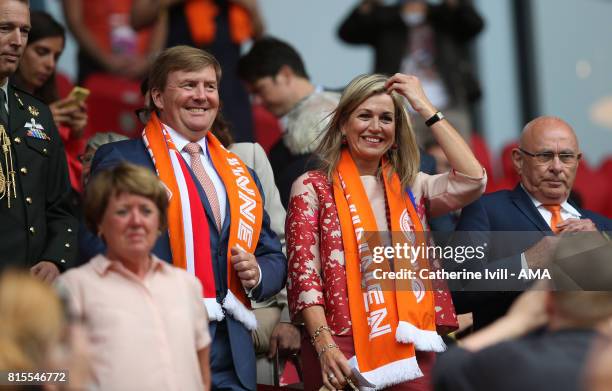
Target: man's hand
<point x="576" y="225"/>
<point x="540" y="254"/>
<point x="528" y="312"/>
<point x="286" y="338"/>
<point x="605" y="327"/>
<point x="46" y="271"/>
<point x="246" y="267"/>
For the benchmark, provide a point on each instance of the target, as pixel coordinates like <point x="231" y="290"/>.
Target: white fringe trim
<point x="423" y="340"/>
<point x="390" y="374"/>
<point x="215" y="312"/>
<point x="239" y="311"/>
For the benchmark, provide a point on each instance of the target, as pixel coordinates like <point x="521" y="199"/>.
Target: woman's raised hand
<point x="410" y="87"/>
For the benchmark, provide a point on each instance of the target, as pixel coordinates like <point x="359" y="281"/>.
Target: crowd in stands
<point x="148" y="243"/>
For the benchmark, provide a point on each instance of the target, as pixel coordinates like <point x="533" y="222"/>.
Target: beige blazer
<point x="254" y="156"/>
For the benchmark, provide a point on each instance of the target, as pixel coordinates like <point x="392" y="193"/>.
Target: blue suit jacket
<point x="271" y="260"/>
<point x="510" y="211"/>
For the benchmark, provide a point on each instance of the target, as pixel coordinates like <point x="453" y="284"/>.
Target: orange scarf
<point x="187" y="223"/>
<point x="389" y="318"/>
<point x="201" y="16"/>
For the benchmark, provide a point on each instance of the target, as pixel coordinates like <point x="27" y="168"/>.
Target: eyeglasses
<point x="567" y="158"/>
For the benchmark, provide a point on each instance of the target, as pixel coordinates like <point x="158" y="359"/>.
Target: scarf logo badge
<point x="418" y="288"/>
<point x="36" y="130"/>
<point x="406" y="226"/>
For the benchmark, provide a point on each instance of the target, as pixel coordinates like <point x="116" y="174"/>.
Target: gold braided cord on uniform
<point x="7" y="181"/>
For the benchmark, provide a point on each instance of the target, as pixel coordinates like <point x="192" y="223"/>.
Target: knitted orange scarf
<point x="389" y="318"/>
<point x="187" y="224"/>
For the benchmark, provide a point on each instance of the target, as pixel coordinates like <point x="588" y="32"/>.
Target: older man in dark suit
<point x="520" y="226"/>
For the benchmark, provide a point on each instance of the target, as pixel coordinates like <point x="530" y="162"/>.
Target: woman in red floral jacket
<point x="367" y="193"/>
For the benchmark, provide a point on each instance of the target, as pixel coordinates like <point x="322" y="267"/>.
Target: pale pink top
<point x="144" y="334"/>
<point x="375" y="190"/>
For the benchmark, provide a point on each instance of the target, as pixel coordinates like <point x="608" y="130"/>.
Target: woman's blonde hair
<point x="404" y="159"/>
<point x="31" y="321"/>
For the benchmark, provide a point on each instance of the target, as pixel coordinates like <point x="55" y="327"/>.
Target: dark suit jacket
<point x="513" y="213"/>
<point x="40" y="224"/>
<point x="550" y="361"/>
<point x="271" y="260"/>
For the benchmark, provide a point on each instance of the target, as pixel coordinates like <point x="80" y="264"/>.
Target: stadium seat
<point x="111" y="105"/>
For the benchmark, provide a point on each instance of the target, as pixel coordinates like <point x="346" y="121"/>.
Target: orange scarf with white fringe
<point x="390" y="318"/>
<point x="188" y="225"/>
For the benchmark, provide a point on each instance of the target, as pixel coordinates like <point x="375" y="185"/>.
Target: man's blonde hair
<point x="180" y="58"/>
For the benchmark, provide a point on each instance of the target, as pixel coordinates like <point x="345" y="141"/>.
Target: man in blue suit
<point x="529" y="217"/>
<point x="183" y="82"/>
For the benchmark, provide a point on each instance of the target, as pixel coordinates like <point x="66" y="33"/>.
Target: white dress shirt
<point x="4" y="88"/>
<point x="567" y="211"/>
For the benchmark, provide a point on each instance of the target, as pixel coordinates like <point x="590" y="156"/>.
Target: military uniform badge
<point x="19" y="101"/>
<point x="33" y="110"/>
<point x="36" y="130"/>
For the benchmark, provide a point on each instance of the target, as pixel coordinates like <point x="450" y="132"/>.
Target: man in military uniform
<point x="37" y="228"/>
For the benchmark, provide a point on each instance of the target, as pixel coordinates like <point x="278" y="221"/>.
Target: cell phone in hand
<point x="79" y="94"/>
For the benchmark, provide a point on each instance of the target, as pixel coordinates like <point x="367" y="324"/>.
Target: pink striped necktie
<point x="193" y="149"/>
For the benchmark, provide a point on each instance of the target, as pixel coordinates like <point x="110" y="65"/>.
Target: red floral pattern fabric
<point x="316" y="274"/>
<point x="314" y="247"/>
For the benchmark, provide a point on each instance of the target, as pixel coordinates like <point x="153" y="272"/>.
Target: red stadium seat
<point x="593" y="187"/>
<point x="505" y="184"/>
<point x="267" y="128"/>
<point x="506" y="161"/>
<point x="606" y="168"/>
<point x="481" y="151"/>
<point x="111" y="105"/>
<point x="510" y="178"/>
<point x="63" y="85"/>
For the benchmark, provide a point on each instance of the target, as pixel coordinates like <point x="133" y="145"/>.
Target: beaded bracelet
<point x="326" y="348"/>
<point x="318" y="332"/>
